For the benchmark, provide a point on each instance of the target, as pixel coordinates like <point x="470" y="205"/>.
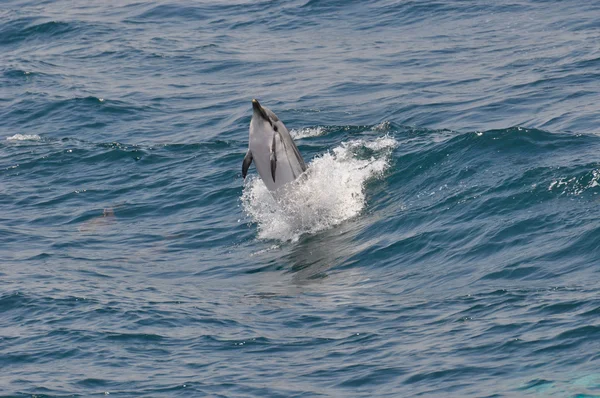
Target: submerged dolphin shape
<point x="275" y="155"/>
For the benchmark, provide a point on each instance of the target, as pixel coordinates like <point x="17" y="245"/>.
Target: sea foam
<point x="307" y="132"/>
<point x="24" y="137"/>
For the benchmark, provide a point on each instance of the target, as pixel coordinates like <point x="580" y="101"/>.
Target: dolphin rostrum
<point x="275" y="155"/>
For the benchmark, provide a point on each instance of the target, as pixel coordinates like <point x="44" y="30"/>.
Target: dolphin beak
<point x="258" y="110"/>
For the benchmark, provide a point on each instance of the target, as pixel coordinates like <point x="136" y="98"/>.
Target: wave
<point x="434" y="174"/>
<point x="26" y="29"/>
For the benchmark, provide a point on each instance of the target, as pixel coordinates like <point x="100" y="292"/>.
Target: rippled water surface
<point x="444" y="242"/>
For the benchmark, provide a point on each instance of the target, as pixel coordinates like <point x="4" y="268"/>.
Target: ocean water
<point x="445" y="241"/>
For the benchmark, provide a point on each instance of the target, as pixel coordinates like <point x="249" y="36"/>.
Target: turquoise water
<point x="446" y="241"/>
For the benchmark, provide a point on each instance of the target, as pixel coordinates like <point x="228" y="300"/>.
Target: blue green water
<point x="445" y="243"/>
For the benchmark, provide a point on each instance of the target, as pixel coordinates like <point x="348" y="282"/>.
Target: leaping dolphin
<point x="270" y="145"/>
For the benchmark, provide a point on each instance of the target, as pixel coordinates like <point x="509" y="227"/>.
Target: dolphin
<point x="272" y="148"/>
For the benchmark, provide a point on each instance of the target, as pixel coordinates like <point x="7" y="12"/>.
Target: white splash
<point x="575" y="185"/>
<point x="24" y="137"/>
<point x="307" y="132"/>
<point x="382" y="127"/>
<point x="331" y="191"/>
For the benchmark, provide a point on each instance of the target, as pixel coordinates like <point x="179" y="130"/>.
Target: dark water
<point x="446" y="243"/>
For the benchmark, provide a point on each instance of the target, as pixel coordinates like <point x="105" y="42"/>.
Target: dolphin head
<point x="259" y="111"/>
<point x="263" y="119"/>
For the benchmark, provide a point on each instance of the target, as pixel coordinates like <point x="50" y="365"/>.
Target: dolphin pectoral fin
<point x="273" y="157"/>
<point x="273" y="166"/>
<point x="246" y="163"/>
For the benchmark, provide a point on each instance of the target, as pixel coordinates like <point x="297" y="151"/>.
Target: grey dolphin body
<point x="272" y="149"/>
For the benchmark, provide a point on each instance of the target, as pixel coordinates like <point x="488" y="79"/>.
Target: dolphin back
<point x="292" y="154"/>
<point x="292" y="151"/>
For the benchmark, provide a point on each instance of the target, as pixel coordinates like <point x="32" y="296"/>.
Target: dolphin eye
<point x="275" y="127"/>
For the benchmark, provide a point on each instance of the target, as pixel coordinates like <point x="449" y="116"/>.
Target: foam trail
<point x="330" y="192"/>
